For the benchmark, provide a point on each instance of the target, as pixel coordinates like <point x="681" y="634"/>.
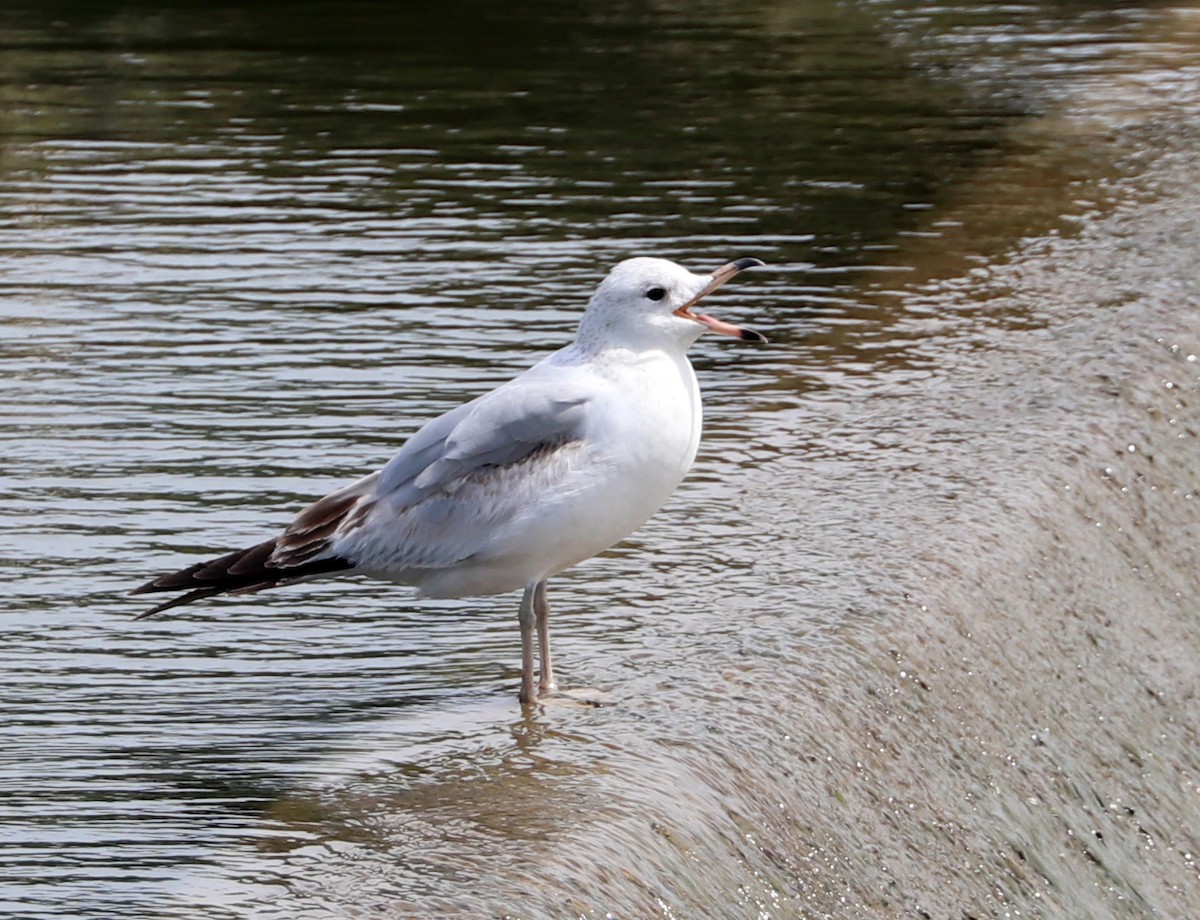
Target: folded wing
<point x="497" y="430"/>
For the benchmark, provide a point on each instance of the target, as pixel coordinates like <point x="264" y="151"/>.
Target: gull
<point x="511" y="488"/>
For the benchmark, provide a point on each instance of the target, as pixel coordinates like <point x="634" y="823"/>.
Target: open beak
<point x="719" y="277"/>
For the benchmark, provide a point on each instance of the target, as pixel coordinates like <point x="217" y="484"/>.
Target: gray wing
<point x="504" y="426"/>
<point x="499" y="428"/>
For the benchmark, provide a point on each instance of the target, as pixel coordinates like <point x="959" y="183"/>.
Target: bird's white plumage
<point x="549" y="468"/>
<point x="542" y="472"/>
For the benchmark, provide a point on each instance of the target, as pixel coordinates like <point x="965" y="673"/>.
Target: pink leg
<point x="541" y="608"/>
<point x="527" y="618"/>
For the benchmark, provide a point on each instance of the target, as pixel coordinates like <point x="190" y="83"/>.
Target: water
<point x="915" y="639"/>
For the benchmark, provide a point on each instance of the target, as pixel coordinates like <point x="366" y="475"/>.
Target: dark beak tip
<point x="747" y="262"/>
<point x="749" y="335"/>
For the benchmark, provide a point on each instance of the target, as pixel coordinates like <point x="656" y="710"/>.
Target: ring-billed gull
<point x="503" y="492"/>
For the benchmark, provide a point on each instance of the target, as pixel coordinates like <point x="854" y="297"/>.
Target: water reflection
<point x="245" y="254"/>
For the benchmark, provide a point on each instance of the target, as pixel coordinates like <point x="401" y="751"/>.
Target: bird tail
<point x="242" y="572"/>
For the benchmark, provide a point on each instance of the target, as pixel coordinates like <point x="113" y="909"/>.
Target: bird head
<point x="648" y="302"/>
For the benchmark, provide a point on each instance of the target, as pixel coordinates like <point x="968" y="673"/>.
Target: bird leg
<point x="535" y="614"/>
<point x="527" y="618"/>
<point x="541" y="608"/>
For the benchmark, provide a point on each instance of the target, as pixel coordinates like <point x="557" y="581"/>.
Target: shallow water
<point x="916" y="638"/>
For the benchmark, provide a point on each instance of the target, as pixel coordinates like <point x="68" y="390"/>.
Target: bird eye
<point x="656" y="293"/>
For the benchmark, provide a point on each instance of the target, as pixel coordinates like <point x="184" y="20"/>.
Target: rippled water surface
<point x="916" y="638"/>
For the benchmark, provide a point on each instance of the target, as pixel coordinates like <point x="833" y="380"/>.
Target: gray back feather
<point x="499" y="428"/>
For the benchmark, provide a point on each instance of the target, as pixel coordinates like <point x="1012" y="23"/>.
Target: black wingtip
<point x="196" y="595"/>
<point x="222" y="576"/>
